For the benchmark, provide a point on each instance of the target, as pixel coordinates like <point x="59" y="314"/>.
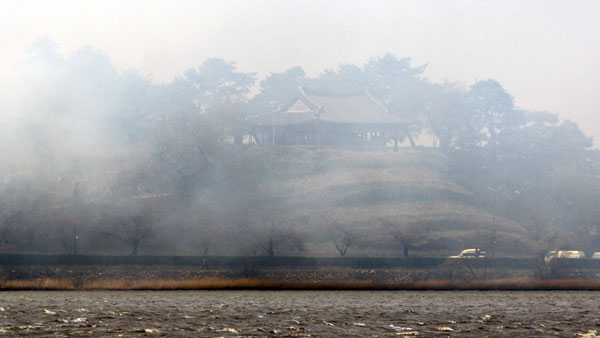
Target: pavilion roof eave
<point x="318" y="111"/>
<point x="268" y="125"/>
<point x="367" y="124"/>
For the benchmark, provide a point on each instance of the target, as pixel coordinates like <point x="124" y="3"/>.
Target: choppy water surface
<point x="293" y="313"/>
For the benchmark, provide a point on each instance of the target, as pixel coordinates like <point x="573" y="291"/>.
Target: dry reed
<point x="257" y="284"/>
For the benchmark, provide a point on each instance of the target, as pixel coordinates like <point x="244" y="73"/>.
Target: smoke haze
<point x="544" y="53"/>
<point x="141" y="128"/>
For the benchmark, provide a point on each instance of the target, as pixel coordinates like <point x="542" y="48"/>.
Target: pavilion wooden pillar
<point x="318" y="126"/>
<point x="410" y="138"/>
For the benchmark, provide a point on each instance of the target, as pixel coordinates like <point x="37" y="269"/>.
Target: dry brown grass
<point x="38" y="284"/>
<point x="256" y="284"/>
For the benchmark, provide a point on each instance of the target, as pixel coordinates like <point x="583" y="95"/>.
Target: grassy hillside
<point x="377" y="194"/>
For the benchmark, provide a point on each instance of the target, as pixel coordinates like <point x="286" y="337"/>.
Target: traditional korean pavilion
<point x="355" y="120"/>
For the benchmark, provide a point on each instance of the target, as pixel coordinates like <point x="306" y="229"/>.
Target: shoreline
<point x="51" y="284"/>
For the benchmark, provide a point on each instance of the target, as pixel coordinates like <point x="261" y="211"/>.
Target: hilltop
<point x="379" y="197"/>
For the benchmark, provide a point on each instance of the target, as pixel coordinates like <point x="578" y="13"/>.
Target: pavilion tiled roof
<point x="355" y="108"/>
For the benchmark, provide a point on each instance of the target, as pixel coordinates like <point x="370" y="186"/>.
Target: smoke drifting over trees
<point x="98" y="160"/>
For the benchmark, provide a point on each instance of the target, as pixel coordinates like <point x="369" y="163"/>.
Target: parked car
<point x="471" y="253"/>
<point x="596" y="255"/>
<point x="566" y="254"/>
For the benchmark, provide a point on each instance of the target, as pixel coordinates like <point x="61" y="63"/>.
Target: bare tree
<point x="342" y="237"/>
<point x="8" y="229"/>
<point x="132" y="229"/>
<point x="487" y="239"/>
<point x="68" y="231"/>
<point x="411" y="235"/>
<point x="592" y="229"/>
<point x="276" y="236"/>
<point x="539" y="232"/>
<point x="206" y="243"/>
<point x="205" y="231"/>
<point x="68" y="222"/>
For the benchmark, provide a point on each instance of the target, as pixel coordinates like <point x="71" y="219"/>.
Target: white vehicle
<point x="471" y="253"/>
<point x="596" y="255"/>
<point x="566" y="254"/>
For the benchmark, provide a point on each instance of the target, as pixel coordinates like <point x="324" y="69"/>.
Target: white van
<point x="567" y="254"/>
<point x="596" y="255"/>
<point x="471" y="253"/>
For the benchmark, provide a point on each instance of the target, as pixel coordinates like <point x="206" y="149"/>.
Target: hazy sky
<point x="545" y="53"/>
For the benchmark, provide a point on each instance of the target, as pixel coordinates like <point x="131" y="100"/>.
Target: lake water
<point x="299" y="313"/>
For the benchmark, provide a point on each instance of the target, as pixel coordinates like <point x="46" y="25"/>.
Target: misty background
<point x="123" y="129"/>
<point x="543" y="52"/>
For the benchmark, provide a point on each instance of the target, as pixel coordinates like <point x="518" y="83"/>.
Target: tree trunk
<point x="405" y="250"/>
<point x="134" y="247"/>
<point x="342" y="250"/>
<point x="318" y="143"/>
<point x="410" y="139"/>
<point x="270" y="248"/>
<point x="74" y="243"/>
